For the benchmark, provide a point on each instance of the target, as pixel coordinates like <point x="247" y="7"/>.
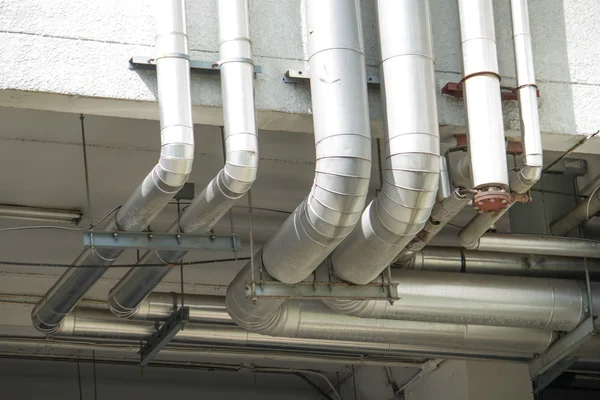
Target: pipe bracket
<point x="200" y="66"/>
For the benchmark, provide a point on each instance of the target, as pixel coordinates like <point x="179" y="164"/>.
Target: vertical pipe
<point x="163" y="182"/>
<point x="482" y="94"/>
<point x="411" y="150"/>
<point x="241" y="158"/>
<point x="522" y="180"/>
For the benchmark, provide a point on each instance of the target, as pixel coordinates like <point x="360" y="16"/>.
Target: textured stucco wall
<point x="72" y="56"/>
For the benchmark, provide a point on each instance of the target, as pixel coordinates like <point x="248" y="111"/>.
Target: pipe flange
<point x="491" y="199"/>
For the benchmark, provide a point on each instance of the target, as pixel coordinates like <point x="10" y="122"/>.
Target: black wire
<point x="94" y="369"/>
<point x="354" y="382"/>
<point x="79" y="380"/>
<point x="28" y="264"/>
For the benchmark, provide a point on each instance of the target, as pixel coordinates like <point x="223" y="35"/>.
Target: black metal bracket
<point x="164" y="335"/>
<point x="558" y="358"/>
<point x="159" y="241"/>
<point x="303" y="76"/>
<point x="200" y="66"/>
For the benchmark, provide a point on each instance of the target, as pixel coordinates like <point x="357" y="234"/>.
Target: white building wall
<point x="72" y="56"/>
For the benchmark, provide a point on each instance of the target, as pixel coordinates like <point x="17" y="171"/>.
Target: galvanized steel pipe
<point x="314" y="327"/>
<point x="163" y="182"/>
<point x="411" y="150"/>
<point x="586" y="210"/>
<point x="241" y="158"/>
<point x="523" y="179"/>
<point x="454" y="259"/>
<point x="481" y="84"/>
<point x="343" y="165"/>
<point x="477" y="299"/>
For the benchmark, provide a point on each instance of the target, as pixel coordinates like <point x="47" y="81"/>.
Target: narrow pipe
<point x="343" y="166"/>
<point x="241" y="158"/>
<point x="445" y="188"/>
<point x="538" y="244"/>
<point x="411" y="150"/>
<point x="579" y="215"/>
<point x="163" y="182"/>
<point x="481" y="84"/>
<point x="441" y="215"/>
<point x="454" y="259"/>
<point x="523" y="179"/>
<point x="540" y="303"/>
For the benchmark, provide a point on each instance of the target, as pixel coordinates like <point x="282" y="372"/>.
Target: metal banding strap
<point x="235" y="59"/>
<point x="172" y="55"/>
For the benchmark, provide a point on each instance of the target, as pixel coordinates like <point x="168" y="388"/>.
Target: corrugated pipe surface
<point x="315" y="328"/>
<point x="411" y="150"/>
<point x="163" y="182"/>
<point x="241" y="159"/>
<point x="478" y="299"/>
<point x="343" y="165"/>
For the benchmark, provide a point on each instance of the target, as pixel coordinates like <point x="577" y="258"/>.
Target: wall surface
<point x="72" y="56"/>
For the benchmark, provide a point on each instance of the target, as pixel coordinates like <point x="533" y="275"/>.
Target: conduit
<point x="541" y="303"/>
<point x="411" y="150"/>
<point x="241" y="164"/>
<point x="343" y="165"/>
<point x="163" y="182"/>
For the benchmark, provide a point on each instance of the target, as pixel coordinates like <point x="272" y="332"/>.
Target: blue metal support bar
<point x="159" y="241"/>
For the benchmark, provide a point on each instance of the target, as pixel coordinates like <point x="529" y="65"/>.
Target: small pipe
<point x="581" y="214"/>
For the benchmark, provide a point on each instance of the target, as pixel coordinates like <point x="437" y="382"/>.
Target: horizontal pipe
<point x="540" y="303"/>
<point x="579" y="215"/>
<point x="316" y="328"/>
<point x="454" y="259"/>
<point x="538" y="244"/>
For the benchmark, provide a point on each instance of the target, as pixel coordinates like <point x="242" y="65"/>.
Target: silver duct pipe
<point x="441" y="215"/>
<point x="163" y="182"/>
<point x="522" y="179"/>
<point x="538" y="244"/>
<point x="241" y="153"/>
<point x="315" y="328"/>
<point x="411" y="150"/>
<point x="579" y="215"/>
<point x="539" y="303"/>
<point x="343" y="167"/>
<point x="454" y="259"/>
<point x="481" y="84"/>
<point x="445" y="188"/>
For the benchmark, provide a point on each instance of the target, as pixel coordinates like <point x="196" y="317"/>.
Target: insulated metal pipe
<point x="163" y="182"/>
<point x="445" y="188"/>
<point x="412" y="148"/>
<point x="579" y="215"/>
<point x="343" y="165"/>
<point x="454" y="259"/>
<point x="541" y="303"/>
<point x="315" y="328"/>
<point x="538" y="244"/>
<point x="523" y="179"/>
<point x="441" y="215"/>
<point x="481" y="84"/>
<point x="241" y="158"/>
